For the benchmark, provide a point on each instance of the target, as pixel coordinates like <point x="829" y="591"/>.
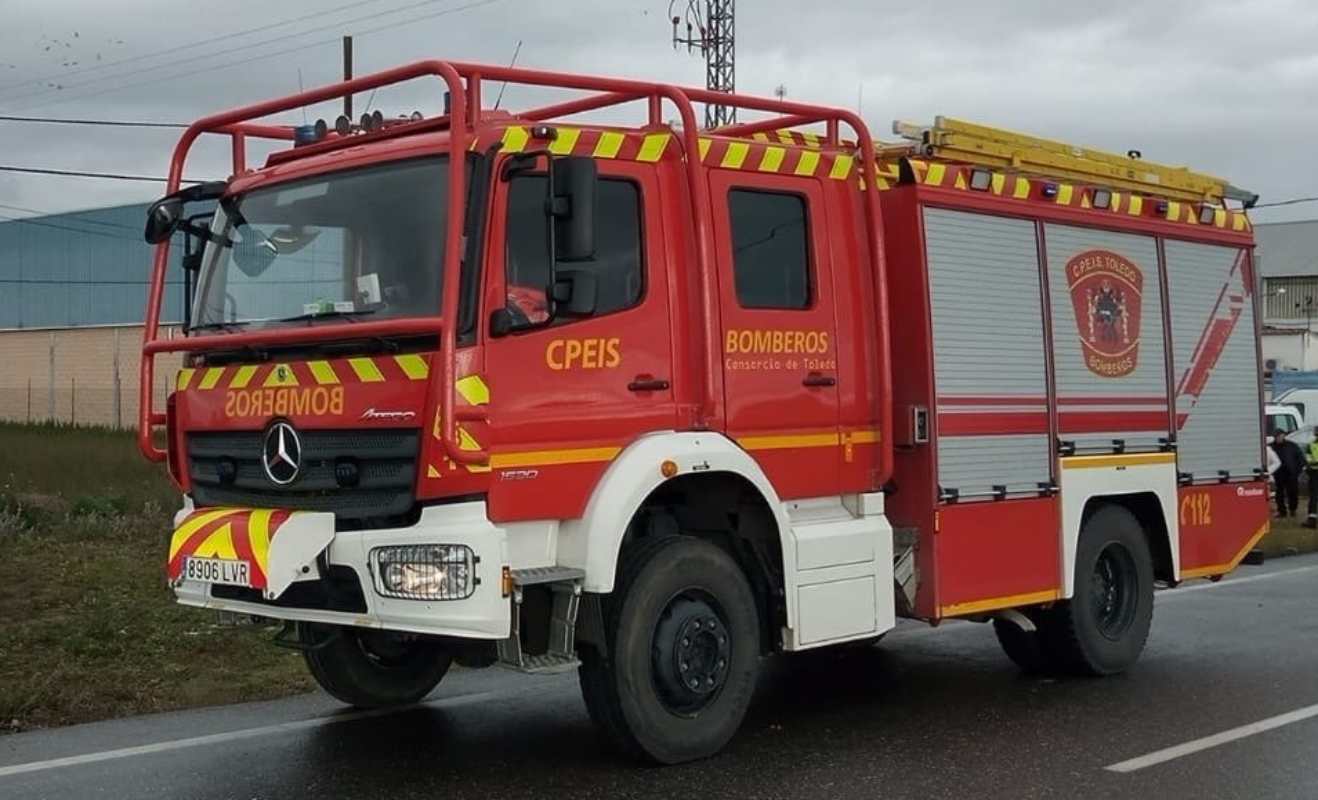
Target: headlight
<point x="424" y="571"/>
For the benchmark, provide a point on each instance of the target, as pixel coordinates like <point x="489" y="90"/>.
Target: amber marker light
<point x="506" y="582"/>
<point x="668" y="469"/>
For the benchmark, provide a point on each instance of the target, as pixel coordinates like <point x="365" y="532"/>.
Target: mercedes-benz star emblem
<point x="281" y="454"/>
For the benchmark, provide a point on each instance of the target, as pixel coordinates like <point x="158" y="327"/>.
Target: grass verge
<point x="1288" y="537"/>
<point x="88" y="628"/>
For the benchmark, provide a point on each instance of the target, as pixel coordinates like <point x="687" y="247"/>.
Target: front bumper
<point x="486" y="614"/>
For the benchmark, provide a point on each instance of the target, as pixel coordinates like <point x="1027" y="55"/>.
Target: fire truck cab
<point x="651" y="402"/>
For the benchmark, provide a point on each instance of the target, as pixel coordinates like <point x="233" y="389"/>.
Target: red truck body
<point x="885" y="386"/>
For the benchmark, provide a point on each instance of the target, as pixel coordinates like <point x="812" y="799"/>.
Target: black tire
<point x="374" y="669"/>
<point x="1028" y="650"/>
<point x="1102" y="629"/>
<point x="681" y="610"/>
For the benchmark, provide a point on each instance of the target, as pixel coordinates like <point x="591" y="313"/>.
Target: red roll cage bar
<point x="463" y="82"/>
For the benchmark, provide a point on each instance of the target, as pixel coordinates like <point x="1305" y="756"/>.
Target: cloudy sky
<point x="1229" y="88"/>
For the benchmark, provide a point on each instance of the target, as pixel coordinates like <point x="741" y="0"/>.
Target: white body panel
<point x="842" y="571"/>
<point x="1087" y="477"/>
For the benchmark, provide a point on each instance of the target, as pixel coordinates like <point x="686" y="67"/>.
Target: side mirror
<point x="163" y="218"/>
<point x="166" y="214"/>
<point x="572" y="206"/>
<point x="575" y="293"/>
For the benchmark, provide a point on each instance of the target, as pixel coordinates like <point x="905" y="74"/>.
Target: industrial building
<point x="1287" y="259"/>
<point x="72" y="289"/>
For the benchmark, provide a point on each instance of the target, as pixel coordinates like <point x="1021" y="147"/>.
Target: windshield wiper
<point x="347" y="315"/>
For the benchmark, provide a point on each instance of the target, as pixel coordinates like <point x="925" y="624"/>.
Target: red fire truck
<point x="652" y="402"/>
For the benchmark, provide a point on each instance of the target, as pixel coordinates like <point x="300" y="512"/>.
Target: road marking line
<point x="231" y="736"/>
<point x="1217" y="739"/>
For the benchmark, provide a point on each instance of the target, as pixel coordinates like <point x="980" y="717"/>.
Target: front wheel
<point x="675" y="679"/>
<point x="373" y="669"/>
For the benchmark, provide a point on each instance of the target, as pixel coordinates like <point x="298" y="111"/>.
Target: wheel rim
<point x="1114" y="591"/>
<point x="690" y="653"/>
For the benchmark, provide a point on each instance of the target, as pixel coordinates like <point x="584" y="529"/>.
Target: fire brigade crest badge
<point x="1106" y="292"/>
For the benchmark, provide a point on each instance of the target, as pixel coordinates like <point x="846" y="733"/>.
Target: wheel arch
<point x="1148" y="490"/>
<point x="633" y="495"/>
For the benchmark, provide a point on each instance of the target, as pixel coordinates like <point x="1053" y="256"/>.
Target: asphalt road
<point x="1224" y="704"/>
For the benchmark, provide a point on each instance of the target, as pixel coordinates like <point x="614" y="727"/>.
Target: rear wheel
<point x="1028" y="650"/>
<point x="1102" y="629"/>
<point x="371" y="669"/>
<point x="675" y="679"/>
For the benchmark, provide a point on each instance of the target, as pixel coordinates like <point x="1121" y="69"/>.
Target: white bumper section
<point x="485" y="614"/>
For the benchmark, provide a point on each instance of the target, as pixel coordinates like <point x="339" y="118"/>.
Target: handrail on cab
<point x="237" y="124"/>
<point x="465" y="110"/>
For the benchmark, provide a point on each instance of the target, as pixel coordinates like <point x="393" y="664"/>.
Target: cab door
<point x="568" y="393"/>
<point x="779" y="332"/>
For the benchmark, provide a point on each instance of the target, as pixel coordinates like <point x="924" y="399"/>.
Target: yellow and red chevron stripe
<point x="330" y="372"/>
<point x="242" y="534"/>
<point x="783" y="152"/>
<point x="784" y="158"/>
<point x="595" y="142"/>
<point x="956" y="176"/>
<point x="803" y="153"/>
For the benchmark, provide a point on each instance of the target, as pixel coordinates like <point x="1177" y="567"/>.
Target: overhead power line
<point x="1291" y="202"/>
<point x="70" y="228"/>
<point x="249" y="46"/>
<point x="110" y="65"/>
<point x="70" y="173"/>
<point x="117" y="123"/>
<point x="78" y="216"/>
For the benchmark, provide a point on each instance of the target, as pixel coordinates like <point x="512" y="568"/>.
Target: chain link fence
<point x="78" y="376"/>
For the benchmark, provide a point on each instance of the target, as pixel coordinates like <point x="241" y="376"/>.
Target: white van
<point x="1288" y="419"/>
<point x="1304" y="400"/>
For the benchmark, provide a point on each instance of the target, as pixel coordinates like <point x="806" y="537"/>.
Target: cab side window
<point x="617" y="264"/>
<point x="770" y="249"/>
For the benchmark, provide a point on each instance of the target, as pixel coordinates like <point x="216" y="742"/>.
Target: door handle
<point x="819" y="379"/>
<point x="647" y="383"/>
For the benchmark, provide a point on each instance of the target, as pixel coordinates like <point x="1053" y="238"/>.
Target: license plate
<point x="218" y="570"/>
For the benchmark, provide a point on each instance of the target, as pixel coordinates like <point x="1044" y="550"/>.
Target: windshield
<point x="359" y="243"/>
<point x="1281" y="422"/>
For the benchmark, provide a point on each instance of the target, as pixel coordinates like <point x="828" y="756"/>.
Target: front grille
<point x="225" y="468"/>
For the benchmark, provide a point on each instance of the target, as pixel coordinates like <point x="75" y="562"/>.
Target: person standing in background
<point x="1312" y="520"/>
<point x="1288" y="474"/>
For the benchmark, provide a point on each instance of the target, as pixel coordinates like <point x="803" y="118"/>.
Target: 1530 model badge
<point x="1106" y="292"/>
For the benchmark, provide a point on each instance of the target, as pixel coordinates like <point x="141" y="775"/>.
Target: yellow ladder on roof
<point x="967" y="142"/>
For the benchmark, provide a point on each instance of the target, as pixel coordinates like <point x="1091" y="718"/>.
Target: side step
<point x="565" y="583"/>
